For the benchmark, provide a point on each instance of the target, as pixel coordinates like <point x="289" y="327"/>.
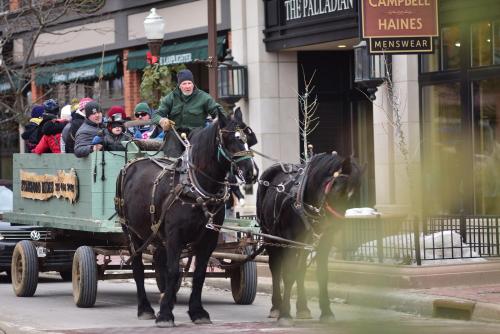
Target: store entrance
<point x="345" y="115"/>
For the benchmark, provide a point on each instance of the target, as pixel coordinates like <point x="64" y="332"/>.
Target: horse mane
<point x="321" y="169"/>
<point x="204" y="142"/>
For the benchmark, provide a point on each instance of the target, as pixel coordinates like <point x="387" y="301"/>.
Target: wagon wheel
<point x="244" y="281"/>
<point x="84" y="277"/>
<point x="24" y="269"/>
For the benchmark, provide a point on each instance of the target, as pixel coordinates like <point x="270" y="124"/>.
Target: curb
<point x="401" y="300"/>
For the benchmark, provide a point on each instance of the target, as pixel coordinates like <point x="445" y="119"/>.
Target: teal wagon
<point x="71" y="200"/>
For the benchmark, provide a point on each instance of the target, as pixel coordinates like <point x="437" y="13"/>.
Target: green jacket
<point x="187" y="111"/>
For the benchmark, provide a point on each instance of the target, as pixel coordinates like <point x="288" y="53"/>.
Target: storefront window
<point x="446" y="54"/>
<point x="496" y="40"/>
<point x="430" y="62"/>
<point x="481" y="44"/>
<point x="486" y="112"/>
<point x="451" y="44"/>
<point x="108" y="92"/>
<point x="443" y="140"/>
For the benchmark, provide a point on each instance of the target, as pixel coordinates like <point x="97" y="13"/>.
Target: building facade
<point x="430" y="139"/>
<point x="429" y="142"/>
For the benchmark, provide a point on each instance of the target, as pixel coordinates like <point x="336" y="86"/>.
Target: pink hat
<point x="83" y="102"/>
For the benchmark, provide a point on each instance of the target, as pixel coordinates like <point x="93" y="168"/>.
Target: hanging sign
<point x="399" y="26"/>
<point x="43" y="187"/>
<point x="301" y="9"/>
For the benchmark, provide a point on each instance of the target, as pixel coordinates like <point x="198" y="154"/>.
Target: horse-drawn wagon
<point x="74" y="200"/>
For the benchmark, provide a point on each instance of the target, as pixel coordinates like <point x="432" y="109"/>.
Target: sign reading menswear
<point x="399" y="26"/>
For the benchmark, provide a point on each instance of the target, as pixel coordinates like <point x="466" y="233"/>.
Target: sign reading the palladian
<point x="399" y="26"/>
<point x="299" y="9"/>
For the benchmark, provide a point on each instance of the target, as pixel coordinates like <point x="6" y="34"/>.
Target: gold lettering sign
<point x="43" y="187"/>
<point x="399" y="26"/>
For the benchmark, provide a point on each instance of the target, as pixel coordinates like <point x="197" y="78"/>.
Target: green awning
<point x="6" y="86"/>
<point x="178" y="53"/>
<point x="84" y="70"/>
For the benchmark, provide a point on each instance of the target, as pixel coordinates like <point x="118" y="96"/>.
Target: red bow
<point x="151" y="59"/>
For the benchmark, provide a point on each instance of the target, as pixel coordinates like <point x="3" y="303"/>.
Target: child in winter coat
<point x="114" y="134"/>
<point x="29" y="135"/>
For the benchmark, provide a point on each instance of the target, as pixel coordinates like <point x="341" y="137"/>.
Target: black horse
<point x="170" y="207"/>
<point x="301" y="202"/>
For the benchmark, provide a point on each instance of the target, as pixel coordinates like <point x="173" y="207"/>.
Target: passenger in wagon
<point x="30" y="129"/>
<point x="143" y="112"/>
<point x="89" y="129"/>
<point x="77" y="119"/>
<point x="51" y="129"/>
<point x="186" y="107"/>
<point x="114" y="134"/>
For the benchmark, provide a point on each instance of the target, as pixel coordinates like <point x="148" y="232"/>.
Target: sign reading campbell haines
<point x="399" y="26"/>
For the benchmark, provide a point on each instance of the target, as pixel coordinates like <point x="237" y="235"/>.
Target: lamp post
<point x="233" y="82"/>
<point x="369" y="70"/>
<point x="154" y="26"/>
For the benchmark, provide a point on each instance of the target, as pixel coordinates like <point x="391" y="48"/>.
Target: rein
<point x="233" y="158"/>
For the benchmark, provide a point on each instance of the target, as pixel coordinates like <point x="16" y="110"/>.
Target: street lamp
<point x="233" y="83"/>
<point x="369" y="70"/>
<point x="154" y="26"/>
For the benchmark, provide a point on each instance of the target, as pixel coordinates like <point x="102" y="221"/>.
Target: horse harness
<point x="185" y="189"/>
<point x="294" y="188"/>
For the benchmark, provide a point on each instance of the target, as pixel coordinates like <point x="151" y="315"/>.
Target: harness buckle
<point x="151" y="209"/>
<point x="280" y="188"/>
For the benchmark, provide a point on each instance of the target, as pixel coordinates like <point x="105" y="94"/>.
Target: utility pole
<point x="212" y="48"/>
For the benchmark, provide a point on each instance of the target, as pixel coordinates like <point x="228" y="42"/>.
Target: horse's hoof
<point x="285" y="322"/>
<point x="202" y="321"/>
<point x="304" y="314"/>
<point x="147" y="316"/>
<point x="165" y="324"/>
<point x="327" y="319"/>
<point x="274" y="313"/>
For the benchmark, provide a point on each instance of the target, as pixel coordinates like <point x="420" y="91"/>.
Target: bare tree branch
<point x="307" y="109"/>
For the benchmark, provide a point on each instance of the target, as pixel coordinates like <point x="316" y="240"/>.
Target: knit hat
<point x="36" y="111"/>
<point x="142" y="107"/>
<point x="184" y="75"/>
<point x="66" y="112"/>
<point x="91" y="108"/>
<point x="116" y="119"/>
<point x="116" y="110"/>
<point x="51" y="106"/>
<point x="83" y="102"/>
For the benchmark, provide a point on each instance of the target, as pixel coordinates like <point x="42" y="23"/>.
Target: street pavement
<point x="52" y="310"/>
<point x="466" y="302"/>
<point x="358" y="309"/>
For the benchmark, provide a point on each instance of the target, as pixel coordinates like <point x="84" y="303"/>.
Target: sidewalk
<point x="474" y="297"/>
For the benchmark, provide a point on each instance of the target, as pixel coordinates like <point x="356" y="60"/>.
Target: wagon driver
<point x="187" y="107"/>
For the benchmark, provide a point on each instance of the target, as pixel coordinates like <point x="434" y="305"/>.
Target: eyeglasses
<point x="116" y="126"/>
<point x="141" y="114"/>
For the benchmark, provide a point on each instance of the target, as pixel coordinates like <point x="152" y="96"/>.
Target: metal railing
<point x="404" y="240"/>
